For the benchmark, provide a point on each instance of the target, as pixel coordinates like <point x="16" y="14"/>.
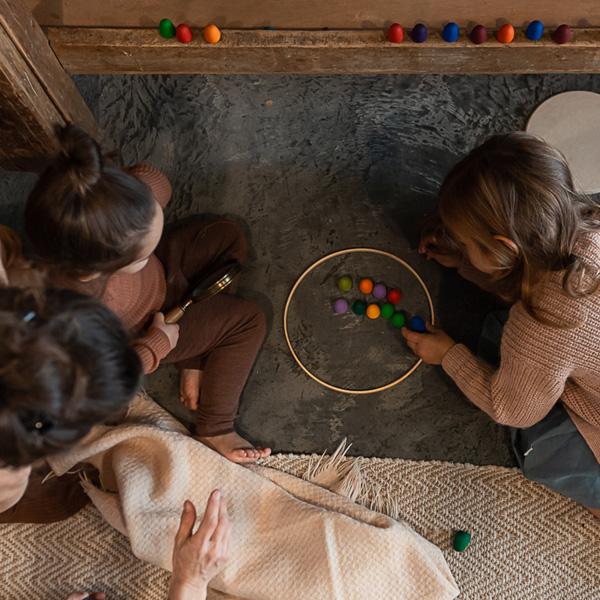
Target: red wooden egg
<point x="395" y="33"/>
<point x="183" y="33"/>
<point x="394" y="295"/>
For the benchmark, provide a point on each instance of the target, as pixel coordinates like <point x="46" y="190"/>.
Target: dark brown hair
<point x="517" y="186"/>
<point x="83" y="216"/>
<point x="65" y="365"/>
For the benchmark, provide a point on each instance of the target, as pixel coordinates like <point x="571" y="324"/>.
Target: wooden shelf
<point x="330" y="52"/>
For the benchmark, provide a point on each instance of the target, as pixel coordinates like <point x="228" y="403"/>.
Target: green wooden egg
<point x="462" y="540"/>
<point x="387" y="310"/>
<point x="398" y="319"/>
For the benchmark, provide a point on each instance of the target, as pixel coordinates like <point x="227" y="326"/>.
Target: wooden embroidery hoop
<point x="303" y="276"/>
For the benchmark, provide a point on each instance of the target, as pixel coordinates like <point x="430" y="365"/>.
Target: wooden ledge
<point x="328" y="52"/>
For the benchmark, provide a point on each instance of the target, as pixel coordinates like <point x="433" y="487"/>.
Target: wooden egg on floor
<point x="387" y="310"/>
<point x="379" y="291"/>
<point x="359" y="307"/>
<point x="344" y="284"/>
<point x="394" y="296"/>
<point x="417" y="324"/>
<point x="373" y="311"/>
<point x="365" y="286"/>
<point x="341" y="306"/>
<point x="398" y="319"/>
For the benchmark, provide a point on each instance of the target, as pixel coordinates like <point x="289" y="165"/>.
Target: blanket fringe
<point x="345" y="476"/>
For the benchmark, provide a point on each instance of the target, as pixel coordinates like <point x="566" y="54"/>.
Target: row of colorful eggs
<point x="478" y="34"/>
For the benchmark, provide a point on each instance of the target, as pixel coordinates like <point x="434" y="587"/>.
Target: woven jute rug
<point x="528" y="543"/>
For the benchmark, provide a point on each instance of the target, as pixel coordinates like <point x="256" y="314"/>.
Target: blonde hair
<point x="517" y="186"/>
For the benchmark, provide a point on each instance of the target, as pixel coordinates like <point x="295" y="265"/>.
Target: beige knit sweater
<point x="542" y="364"/>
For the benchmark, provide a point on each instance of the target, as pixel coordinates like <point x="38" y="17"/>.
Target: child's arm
<point x="158" y="341"/>
<point x="521" y="392"/>
<point x="156" y="180"/>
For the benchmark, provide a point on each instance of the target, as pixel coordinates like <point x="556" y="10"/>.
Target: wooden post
<point x="36" y="93"/>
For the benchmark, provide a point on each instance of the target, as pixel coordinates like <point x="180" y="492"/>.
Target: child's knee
<point x="256" y="320"/>
<point x="228" y="237"/>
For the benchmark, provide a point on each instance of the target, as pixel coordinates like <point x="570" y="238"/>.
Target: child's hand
<point x="437" y="245"/>
<point x="171" y="330"/>
<point x="198" y="557"/>
<point x="431" y="346"/>
<point x="433" y="252"/>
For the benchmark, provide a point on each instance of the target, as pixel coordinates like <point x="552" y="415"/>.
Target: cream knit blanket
<point x="292" y="539"/>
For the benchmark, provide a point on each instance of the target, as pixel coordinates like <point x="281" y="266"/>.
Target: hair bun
<point x="81" y="156"/>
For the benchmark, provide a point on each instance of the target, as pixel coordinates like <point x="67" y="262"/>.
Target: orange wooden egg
<point x="366" y="285"/>
<point x="373" y="311"/>
<point x="506" y="34"/>
<point x="212" y="34"/>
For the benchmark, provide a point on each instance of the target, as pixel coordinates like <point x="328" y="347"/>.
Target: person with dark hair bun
<point x="97" y="229"/>
<point x="65" y="365"/>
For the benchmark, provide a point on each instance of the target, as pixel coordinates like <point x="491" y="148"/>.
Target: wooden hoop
<point x="303" y="276"/>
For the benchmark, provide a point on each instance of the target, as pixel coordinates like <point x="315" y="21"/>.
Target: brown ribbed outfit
<point x="221" y="335"/>
<point x="541" y="364"/>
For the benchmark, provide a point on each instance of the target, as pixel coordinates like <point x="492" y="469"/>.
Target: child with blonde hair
<point x="511" y="220"/>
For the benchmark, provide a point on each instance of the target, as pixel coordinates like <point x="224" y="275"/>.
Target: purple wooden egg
<point x="379" y="291"/>
<point x="419" y="33"/>
<point x="341" y="306"/>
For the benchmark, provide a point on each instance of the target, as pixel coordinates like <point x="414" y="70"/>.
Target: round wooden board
<point x="571" y="122"/>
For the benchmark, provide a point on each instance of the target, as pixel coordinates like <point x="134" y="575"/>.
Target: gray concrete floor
<point x="310" y="165"/>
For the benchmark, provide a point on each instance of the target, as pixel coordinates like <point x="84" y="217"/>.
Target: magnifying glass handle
<point x="176" y="313"/>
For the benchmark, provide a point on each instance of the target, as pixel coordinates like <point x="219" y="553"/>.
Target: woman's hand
<point x="87" y="596"/>
<point x="171" y="330"/>
<point x="198" y="557"/>
<point x="431" y="346"/>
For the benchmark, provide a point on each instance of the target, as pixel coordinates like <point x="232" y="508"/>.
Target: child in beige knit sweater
<point x="511" y="221"/>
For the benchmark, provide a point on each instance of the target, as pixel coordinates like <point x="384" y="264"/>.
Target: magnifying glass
<point x="211" y="285"/>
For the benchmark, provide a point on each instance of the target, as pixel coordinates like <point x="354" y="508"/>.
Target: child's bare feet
<point x="235" y="448"/>
<point x="189" y="387"/>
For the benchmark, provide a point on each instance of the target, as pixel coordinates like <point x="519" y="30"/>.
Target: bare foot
<point x="235" y="448"/>
<point x="189" y="387"/>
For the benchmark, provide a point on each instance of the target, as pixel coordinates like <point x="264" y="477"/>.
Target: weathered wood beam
<point x="137" y="51"/>
<point x="36" y="93"/>
<point x="313" y="14"/>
